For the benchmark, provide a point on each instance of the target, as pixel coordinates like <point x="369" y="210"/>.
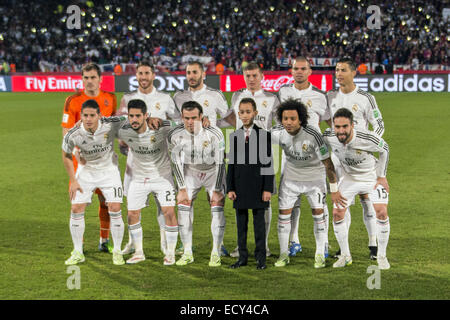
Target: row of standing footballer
<point x="249" y="188"/>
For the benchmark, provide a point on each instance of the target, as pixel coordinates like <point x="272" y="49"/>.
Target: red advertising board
<point x="273" y="82"/>
<point x="55" y="83"/>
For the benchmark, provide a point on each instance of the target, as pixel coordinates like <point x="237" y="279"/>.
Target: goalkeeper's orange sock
<point x="104" y="221"/>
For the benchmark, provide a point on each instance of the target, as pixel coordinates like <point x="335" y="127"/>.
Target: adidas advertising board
<point x="403" y="83"/>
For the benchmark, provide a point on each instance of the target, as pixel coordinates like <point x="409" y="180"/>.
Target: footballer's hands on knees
<point x="154" y="123"/>
<point x="217" y="198"/>
<point x="338" y="199"/>
<point x="183" y="198"/>
<point x="205" y="122"/>
<point x="74" y="187"/>
<point x="383" y="182"/>
<point x="232" y="195"/>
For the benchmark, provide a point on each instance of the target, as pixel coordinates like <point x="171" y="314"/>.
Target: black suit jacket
<point x="250" y="168"/>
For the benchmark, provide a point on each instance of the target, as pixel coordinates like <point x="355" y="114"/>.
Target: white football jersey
<point x="304" y="153"/>
<point x="266" y="104"/>
<point x="159" y="104"/>
<point x="202" y="152"/>
<point x="363" y="106"/>
<point x="96" y="148"/>
<point x="212" y="101"/>
<point x="149" y="149"/>
<point x="314" y="99"/>
<point x="357" y="157"/>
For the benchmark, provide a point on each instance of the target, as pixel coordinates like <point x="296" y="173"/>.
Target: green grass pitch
<point x="35" y="237"/>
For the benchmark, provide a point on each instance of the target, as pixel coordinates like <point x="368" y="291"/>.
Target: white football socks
<point x="171" y="235"/>
<point x="319" y="233"/>
<point x="77" y="226"/>
<point x="284" y="230"/>
<point x="136" y="235"/>
<point x="341" y="233"/>
<point x="370" y="221"/>
<point x="295" y="220"/>
<point x="217" y="227"/>
<point x="185" y="228"/>
<point x="383" y="231"/>
<point x="268" y="219"/>
<point x="117" y="229"/>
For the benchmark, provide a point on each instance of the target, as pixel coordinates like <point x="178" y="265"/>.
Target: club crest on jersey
<point x="309" y="103"/>
<point x="206" y="103"/>
<point x="105" y="136"/>
<point x="157" y="106"/>
<point x="152" y="139"/>
<point x="205" y="144"/>
<point x="358" y="152"/>
<point x="305" y="147"/>
<point x="355" y="108"/>
<point x="264" y="104"/>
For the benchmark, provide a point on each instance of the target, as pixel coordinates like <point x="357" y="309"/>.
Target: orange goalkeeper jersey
<point x="107" y="102"/>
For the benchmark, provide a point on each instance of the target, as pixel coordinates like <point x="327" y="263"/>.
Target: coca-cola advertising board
<point x="55" y="83"/>
<point x="273" y="82"/>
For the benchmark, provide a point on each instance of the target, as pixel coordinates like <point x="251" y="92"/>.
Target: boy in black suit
<point x="250" y="180"/>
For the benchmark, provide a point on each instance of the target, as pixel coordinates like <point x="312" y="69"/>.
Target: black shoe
<point x="238" y="264"/>
<point x="337" y="254"/>
<point x="261" y="266"/>
<point x="373" y="253"/>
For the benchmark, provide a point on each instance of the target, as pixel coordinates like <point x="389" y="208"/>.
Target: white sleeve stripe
<point x="69" y="133"/>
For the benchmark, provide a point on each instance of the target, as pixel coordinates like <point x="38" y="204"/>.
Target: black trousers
<point x="259" y="226"/>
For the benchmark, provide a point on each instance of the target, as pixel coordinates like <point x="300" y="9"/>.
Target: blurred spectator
<point x="228" y="31"/>
<point x="362" y="68"/>
<point x="220" y="68"/>
<point x="118" y="69"/>
<point x="379" y="69"/>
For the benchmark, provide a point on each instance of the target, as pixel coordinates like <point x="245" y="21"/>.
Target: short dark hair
<point x="137" y="104"/>
<point x="343" y="113"/>
<point x="91" y="66"/>
<point x="191" y="105"/>
<point x="348" y="61"/>
<point x="198" y="63"/>
<point x="297" y="105"/>
<point x="253" y="66"/>
<point x="248" y="100"/>
<point x="91" y="103"/>
<point x="303" y="58"/>
<point x="145" y="63"/>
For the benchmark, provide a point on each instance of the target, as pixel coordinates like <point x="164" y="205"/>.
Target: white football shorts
<point x="290" y="191"/>
<point x="162" y="187"/>
<point x="349" y="188"/>
<point x="379" y="195"/>
<point x="195" y="180"/>
<point x="107" y="180"/>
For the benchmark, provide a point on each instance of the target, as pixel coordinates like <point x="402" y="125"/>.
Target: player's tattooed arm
<point x="336" y="197"/>
<point x="67" y="155"/>
<point x="331" y="172"/>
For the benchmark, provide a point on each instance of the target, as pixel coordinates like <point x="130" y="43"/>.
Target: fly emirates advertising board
<point x="56" y="83"/>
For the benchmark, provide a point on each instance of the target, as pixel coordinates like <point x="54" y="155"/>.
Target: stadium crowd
<point x="228" y="31"/>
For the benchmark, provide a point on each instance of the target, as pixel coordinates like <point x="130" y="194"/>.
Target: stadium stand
<point x="35" y="37"/>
